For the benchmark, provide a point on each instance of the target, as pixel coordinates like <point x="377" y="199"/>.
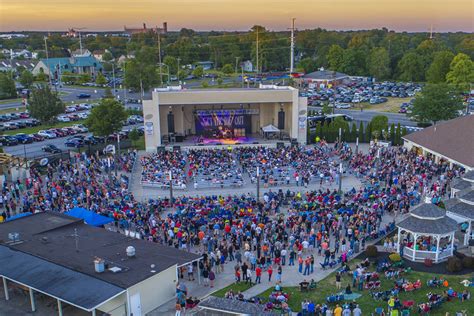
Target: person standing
<point x="244" y="271"/>
<point x="300" y="264"/>
<point x="357" y="311"/>
<point x="278" y="276"/>
<point x="205" y="275"/>
<point x="338" y="280"/>
<point x="283" y="256"/>
<point x="307" y="263"/>
<point x="292" y="258"/>
<point x="212" y="277"/>
<point x="312" y="263"/>
<point x="258" y="274"/>
<point x="249" y="276"/>
<point x="270" y="272"/>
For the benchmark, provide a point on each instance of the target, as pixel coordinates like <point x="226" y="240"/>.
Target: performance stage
<point x="209" y="117"/>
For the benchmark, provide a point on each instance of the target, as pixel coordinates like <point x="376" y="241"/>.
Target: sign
<point x="227" y="112"/>
<point x="302" y="122"/>
<point x="149" y="128"/>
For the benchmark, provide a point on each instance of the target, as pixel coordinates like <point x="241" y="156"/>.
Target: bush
<point x="454" y="264"/>
<point x="371" y="251"/>
<point x="395" y="257"/>
<point x="468" y="263"/>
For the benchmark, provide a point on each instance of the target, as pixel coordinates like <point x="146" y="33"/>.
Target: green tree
<point x="439" y="67"/>
<point x="181" y="74"/>
<point x="308" y="65"/>
<point x="172" y="63"/>
<point x="68" y="77"/>
<point x="198" y="72"/>
<point x="219" y="81"/>
<point x="107" y="56"/>
<point x="410" y="67"/>
<point x="134" y="135"/>
<point x="326" y="109"/>
<point x="108" y="93"/>
<point x="354" y="62"/>
<point x="227" y="69"/>
<point x="106" y="118"/>
<point x="85" y="78"/>
<point x="392" y="133"/>
<point x="361" y="132"/>
<point x="100" y="79"/>
<point x="140" y="75"/>
<point x="435" y="103"/>
<point x="26" y="78"/>
<point x="45" y="104"/>
<point x="204" y="84"/>
<point x="335" y="57"/>
<point x="7" y="86"/>
<point x="379" y="63"/>
<point x="461" y="72"/>
<point x="398" y="134"/>
<point x="378" y="123"/>
<point x="41" y="77"/>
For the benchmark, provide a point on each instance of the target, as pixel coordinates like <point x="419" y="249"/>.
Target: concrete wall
<point x="152" y="128"/>
<point x="156" y="290"/>
<point x="116" y="306"/>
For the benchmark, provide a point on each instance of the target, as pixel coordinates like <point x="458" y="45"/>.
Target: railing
<point x="421" y="255"/>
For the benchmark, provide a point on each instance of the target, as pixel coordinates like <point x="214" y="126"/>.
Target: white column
<point x="467" y="237"/>
<point x="93" y="312"/>
<point x="399" y="240"/>
<point x="32" y="300"/>
<point x="452" y="243"/>
<point x="415" y="236"/>
<point x="438" y="237"/>
<point x="60" y="308"/>
<point x="199" y="272"/>
<point x="5" y="289"/>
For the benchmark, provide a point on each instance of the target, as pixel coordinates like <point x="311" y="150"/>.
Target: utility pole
<point x="258" y="184"/>
<point x="292" y="51"/>
<point x="340" y="177"/>
<point x="80" y="42"/>
<point x="113" y="76"/>
<point x="177" y="71"/>
<point x="159" y="57"/>
<point x="47" y="59"/>
<point x="258" y="68"/>
<point x="171" y="187"/>
<point x="236" y="61"/>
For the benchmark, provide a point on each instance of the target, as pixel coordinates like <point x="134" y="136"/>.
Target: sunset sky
<point x="400" y="15"/>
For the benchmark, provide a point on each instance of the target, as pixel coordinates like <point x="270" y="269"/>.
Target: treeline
<point x="380" y="53"/>
<point x="378" y="129"/>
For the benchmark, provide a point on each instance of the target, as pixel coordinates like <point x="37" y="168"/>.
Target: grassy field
<point x="327" y="287"/>
<point x="34" y="129"/>
<point x="392" y="105"/>
<point x="140" y="143"/>
<point x="13" y="110"/>
<point x="9" y="101"/>
<point x="236" y="287"/>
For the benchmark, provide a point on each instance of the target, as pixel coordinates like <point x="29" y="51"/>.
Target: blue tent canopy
<point x="12" y="218"/>
<point x="89" y="217"/>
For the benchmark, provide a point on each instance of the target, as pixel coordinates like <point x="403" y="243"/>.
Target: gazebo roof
<point x="459" y="207"/>
<point x="428" y="219"/>
<point x="467" y="195"/>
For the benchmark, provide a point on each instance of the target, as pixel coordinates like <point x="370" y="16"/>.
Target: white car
<point x="70" y="109"/>
<point x="343" y="106"/>
<point x="47" y="134"/>
<point x="63" y="118"/>
<point x="83" y="115"/>
<point x="81" y="128"/>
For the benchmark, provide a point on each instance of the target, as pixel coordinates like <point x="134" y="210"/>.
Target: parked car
<point x="74" y="142"/>
<point x="83" y="96"/>
<point x="24" y="139"/>
<point x="50" y="148"/>
<point x="37" y="137"/>
<point x="8" y="141"/>
<point x="63" y="118"/>
<point x="47" y="134"/>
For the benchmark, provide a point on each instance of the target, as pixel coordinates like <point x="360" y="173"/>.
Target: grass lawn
<point x="34" y="129"/>
<point x="236" y="287"/>
<point x="140" y="143"/>
<point x="13" y="110"/>
<point x="10" y="101"/>
<point x="392" y="105"/>
<point x="327" y="287"/>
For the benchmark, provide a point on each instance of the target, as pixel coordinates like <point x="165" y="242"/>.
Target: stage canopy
<point x="270" y="129"/>
<point x="12" y="218"/>
<point x="89" y="217"/>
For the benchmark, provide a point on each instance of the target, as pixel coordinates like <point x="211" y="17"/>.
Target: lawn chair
<point x="408" y="304"/>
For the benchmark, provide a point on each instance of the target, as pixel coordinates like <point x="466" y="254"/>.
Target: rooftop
<point x="428" y="219"/>
<point x="461" y="184"/>
<point x="469" y="176"/>
<point x="235" y="306"/>
<point x="459" y="207"/>
<point x="51" y="237"/>
<point x="452" y="139"/>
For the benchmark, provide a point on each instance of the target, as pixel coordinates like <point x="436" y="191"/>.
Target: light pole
<point x="113" y="76"/>
<point x="357" y="142"/>
<point x="167" y="73"/>
<point x="117" y="153"/>
<point x="258" y="183"/>
<point x="340" y="177"/>
<point x="171" y="187"/>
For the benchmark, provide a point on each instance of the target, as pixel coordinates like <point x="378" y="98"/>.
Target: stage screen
<point x="223" y="123"/>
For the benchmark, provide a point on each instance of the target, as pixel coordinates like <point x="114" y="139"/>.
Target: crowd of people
<point x="258" y="237"/>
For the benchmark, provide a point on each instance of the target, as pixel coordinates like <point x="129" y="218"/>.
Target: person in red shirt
<point x="270" y="272"/>
<point x="258" y="273"/>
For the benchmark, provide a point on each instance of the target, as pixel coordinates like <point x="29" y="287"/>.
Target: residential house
<point x="78" y="65"/>
<point x="98" y="54"/>
<point x="7" y="65"/>
<point x="206" y="65"/>
<point x="247" y="66"/>
<point x="81" y="53"/>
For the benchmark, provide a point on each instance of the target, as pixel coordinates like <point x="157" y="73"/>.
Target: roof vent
<point x="99" y="265"/>
<point x="115" y="269"/>
<point x="14" y="237"/>
<point x="130" y="251"/>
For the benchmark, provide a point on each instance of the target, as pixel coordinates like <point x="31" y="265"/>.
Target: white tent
<point x="270" y="129"/>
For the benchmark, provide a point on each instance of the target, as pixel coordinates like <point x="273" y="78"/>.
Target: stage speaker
<point x="176" y="148"/>
<point x="281" y="119"/>
<point x="170" y="122"/>
<point x="255" y="143"/>
<point x="280" y="145"/>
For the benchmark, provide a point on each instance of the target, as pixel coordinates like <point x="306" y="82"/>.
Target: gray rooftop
<point x="467" y="195"/>
<point x="69" y="286"/>
<point x="469" y="175"/>
<point x="461" y="184"/>
<point x="428" y="211"/>
<point x="325" y="75"/>
<point x="235" y="306"/>
<point x="459" y="207"/>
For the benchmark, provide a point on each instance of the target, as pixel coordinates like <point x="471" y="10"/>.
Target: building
<point x="84" y="52"/>
<point x="176" y="113"/>
<point x="324" y="78"/>
<point x="451" y="140"/>
<point x="99" y="54"/>
<point x="54" y="256"/>
<point x="77" y="65"/>
<point x="247" y="66"/>
<point x="7" y="65"/>
<point x="206" y="65"/>
<point x="131" y="31"/>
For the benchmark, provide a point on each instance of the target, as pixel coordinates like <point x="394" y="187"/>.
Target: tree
<point x="379" y="63"/>
<point x="361" y="132"/>
<point x="353" y="62"/>
<point x="139" y="75"/>
<point x="172" y="63"/>
<point x="308" y="65"/>
<point x="26" y="78"/>
<point x="410" y="67"/>
<point x="439" y="67"/>
<point x="378" y="123"/>
<point x="134" y="135"/>
<point x="198" y="72"/>
<point x="107" y="56"/>
<point x="205" y="84"/>
<point x="219" y="81"/>
<point x="7" y="86"/>
<point x="435" y="103"/>
<point x="326" y="109"/>
<point x="41" y="77"/>
<point x="45" y="104"/>
<point x="461" y="72"/>
<point x="106" y="118"/>
<point x="398" y="134"/>
<point x="227" y="69"/>
<point x="100" y="79"/>
<point x="108" y="93"/>
<point x="85" y="78"/>
<point x="335" y="57"/>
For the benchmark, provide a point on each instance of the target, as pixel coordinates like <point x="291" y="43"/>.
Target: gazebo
<point x="426" y="233"/>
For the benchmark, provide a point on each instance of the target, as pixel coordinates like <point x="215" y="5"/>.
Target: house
<point x="449" y="140"/>
<point x="22" y="53"/>
<point x="78" y="65"/>
<point x="7" y="65"/>
<point x="247" y="66"/>
<point x="98" y="54"/>
<point x="324" y="78"/>
<point x="88" y="268"/>
<point x="122" y="59"/>
<point x="81" y="53"/>
<point x="206" y="65"/>
<point x="131" y="31"/>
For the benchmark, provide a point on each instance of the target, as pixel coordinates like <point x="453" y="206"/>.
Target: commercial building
<point x="451" y="140"/>
<point x="175" y="115"/>
<point x="76" y="65"/>
<point x="324" y="78"/>
<point x="131" y="31"/>
<point x="59" y="258"/>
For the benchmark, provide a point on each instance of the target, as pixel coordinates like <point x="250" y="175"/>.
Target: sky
<point x="399" y="15"/>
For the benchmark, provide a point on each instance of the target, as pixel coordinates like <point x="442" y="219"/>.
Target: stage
<point x="251" y="141"/>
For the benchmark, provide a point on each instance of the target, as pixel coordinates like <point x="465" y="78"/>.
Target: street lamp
<point x="171" y="187"/>
<point x="357" y="142"/>
<point x="340" y="177"/>
<point x="167" y="73"/>
<point x="258" y="183"/>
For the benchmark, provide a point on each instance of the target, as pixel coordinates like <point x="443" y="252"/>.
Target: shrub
<point x="395" y="257"/>
<point x="371" y="251"/>
<point x="468" y="262"/>
<point x="454" y="264"/>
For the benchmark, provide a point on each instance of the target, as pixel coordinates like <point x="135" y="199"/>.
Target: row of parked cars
<point x="79" y="141"/>
<point x="22" y="138"/>
<point x="360" y="91"/>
